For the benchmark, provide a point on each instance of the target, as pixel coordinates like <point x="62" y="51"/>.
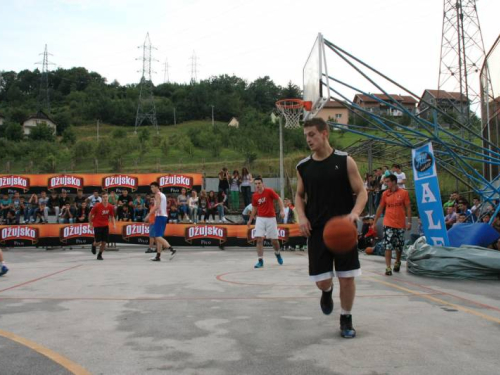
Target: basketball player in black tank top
<point x="328" y="185"/>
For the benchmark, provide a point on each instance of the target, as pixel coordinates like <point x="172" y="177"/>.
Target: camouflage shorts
<point x="394" y="238"/>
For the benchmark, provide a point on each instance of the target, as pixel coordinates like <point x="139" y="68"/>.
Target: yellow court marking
<point x="438" y="300"/>
<point x="55" y="357"/>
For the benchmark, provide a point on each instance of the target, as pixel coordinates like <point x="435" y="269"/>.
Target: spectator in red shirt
<point x="99" y="218"/>
<point x="265" y="225"/>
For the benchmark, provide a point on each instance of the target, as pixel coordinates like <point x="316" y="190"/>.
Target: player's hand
<point x="353" y="217"/>
<point x="305" y="226"/>
<point x="91" y="226"/>
<point x="282" y="214"/>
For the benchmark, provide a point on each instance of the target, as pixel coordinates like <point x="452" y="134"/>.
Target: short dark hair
<point x="318" y="123"/>
<point x="396" y="166"/>
<point x="155" y="184"/>
<point x="392" y="178"/>
<point x="258" y="178"/>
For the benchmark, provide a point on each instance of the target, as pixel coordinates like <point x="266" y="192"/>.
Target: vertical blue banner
<point x="428" y="196"/>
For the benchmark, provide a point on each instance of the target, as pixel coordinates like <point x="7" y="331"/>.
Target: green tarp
<point x="465" y="262"/>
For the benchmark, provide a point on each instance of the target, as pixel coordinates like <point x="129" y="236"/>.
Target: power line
<point x="166" y="77"/>
<point x="194" y="68"/>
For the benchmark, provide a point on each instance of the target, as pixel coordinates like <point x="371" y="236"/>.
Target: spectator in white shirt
<point x="401" y="176"/>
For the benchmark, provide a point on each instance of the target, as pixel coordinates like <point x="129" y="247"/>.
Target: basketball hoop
<point x="292" y="110"/>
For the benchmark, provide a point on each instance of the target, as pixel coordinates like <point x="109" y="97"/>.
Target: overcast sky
<point x="250" y="39"/>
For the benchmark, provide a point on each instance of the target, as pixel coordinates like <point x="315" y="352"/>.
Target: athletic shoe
<point x="326" y="302"/>
<point x="346" y="329"/>
<point x="259" y="264"/>
<point x="397" y="266"/>
<point x="93" y="249"/>
<point x="388" y="271"/>
<point x="99" y="256"/>
<point x="279" y="258"/>
<point x="156" y="259"/>
<point x="3" y="270"/>
<point x="150" y="250"/>
<point x="172" y="253"/>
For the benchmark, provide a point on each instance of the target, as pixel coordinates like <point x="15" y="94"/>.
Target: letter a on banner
<point x="428" y="195"/>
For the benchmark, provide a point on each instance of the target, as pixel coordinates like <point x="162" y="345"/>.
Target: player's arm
<point x="357" y="187"/>
<point x="282" y="207"/>
<point x="252" y="215"/>
<point x="300" y="206"/>
<point x="156" y="207"/>
<point x="91" y="217"/>
<point x="380" y="209"/>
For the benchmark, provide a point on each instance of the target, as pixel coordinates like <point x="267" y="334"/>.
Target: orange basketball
<point x="369" y="250"/>
<point x="340" y="235"/>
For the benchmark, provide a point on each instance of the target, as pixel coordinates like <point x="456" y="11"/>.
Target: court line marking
<point x="39" y="278"/>
<point x="69" y="365"/>
<point x="438" y="300"/>
<point x="195" y="298"/>
<point x="444" y="293"/>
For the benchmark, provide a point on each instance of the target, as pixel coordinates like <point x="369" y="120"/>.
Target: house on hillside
<point x="2" y="119"/>
<point x="38" y="118"/>
<point x="371" y="104"/>
<point x="334" y="111"/>
<point x="449" y="102"/>
<point x="234" y="123"/>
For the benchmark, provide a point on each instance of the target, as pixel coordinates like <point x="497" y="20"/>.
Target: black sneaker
<point x="99" y="256"/>
<point x="346" y="329"/>
<point x="150" y="250"/>
<point x="156" y="259"/>
<point x="388" y="271"/>
<point x="172" y="253"/>
<point x="326" y="302"/>
<point x="397" y="266"/>
<point x="93" y="249"/>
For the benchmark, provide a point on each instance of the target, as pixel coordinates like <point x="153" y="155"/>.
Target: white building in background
<point x="234" y="123"/>
<point x="39" y="118"/>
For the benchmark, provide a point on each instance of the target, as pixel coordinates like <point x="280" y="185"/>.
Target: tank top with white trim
<point x="162" y="211"/>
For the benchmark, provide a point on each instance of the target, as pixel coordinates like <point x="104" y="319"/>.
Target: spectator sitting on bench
<point x="82" y="215"/>
<point x="139" y="208"/>
<point x="183" y="205"/>
<point x="5" y="207"/>
<point x="55" y="205"/>
<point x="31" y="207"/>
<point x="68" y="214"/>
<point x="125" y="213"/>
<point x="42" y="212"/>
<point x="80" y="198"/>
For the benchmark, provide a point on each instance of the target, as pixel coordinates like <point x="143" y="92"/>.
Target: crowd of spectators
<point x="234" y="196"/>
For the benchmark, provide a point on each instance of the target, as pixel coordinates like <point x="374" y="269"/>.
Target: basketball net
<point x="292" y="110"/>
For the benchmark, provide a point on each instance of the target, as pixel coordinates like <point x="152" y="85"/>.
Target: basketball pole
<point x="282" y="185"/>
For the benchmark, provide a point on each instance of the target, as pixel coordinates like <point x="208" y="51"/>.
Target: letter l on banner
<point x="428" y="195"/>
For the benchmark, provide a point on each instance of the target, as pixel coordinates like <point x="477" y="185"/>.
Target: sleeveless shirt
<point x="162" y="210"/>
<point x="327" y="187"/>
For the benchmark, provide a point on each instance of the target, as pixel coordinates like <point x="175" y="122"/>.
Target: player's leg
<point x="104" y="240"/>
<point x="272" y="234"/>
<point x="260" y="232"/>
<point x="321" y="269"/>
<point x="389" y="245"/>
<point x="399" y="248"/>
<point x="347" y="267"/>
<point x="3" y="266"/>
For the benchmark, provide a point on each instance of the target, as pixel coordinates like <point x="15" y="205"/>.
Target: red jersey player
<point x="99" y="218"/>
<point x="265" y="225"/>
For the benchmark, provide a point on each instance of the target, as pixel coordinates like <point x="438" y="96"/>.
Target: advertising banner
<point x="428" y="196"/>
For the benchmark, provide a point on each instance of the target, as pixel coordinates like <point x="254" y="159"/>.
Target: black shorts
<point x="321" y="259"/>
<point x="101" y="234"/>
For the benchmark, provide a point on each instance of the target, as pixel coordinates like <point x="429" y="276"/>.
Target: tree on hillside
<point x="14" y="132"/>
<point x="42" y="132"/>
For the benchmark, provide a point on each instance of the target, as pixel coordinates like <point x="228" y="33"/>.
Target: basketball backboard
<point x="315" y="79"/>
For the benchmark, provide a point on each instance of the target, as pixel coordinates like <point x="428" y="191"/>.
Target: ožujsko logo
<point x="72" y="231"/>
<point x="120" y="180"/>
<point x="135" y="230"/>
<point x="65" y="181"/>
<point x="14" y="181"/>
<point x="175" y="180"/>
<point x="19" y="232"/>
<point x="206" y="231"/>
<point x="283" y="235"/>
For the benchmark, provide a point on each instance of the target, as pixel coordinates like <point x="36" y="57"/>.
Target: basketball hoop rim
<point x="293" y="104"/>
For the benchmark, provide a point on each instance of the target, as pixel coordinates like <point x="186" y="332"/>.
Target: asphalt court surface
<point x="209" y="312"/>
